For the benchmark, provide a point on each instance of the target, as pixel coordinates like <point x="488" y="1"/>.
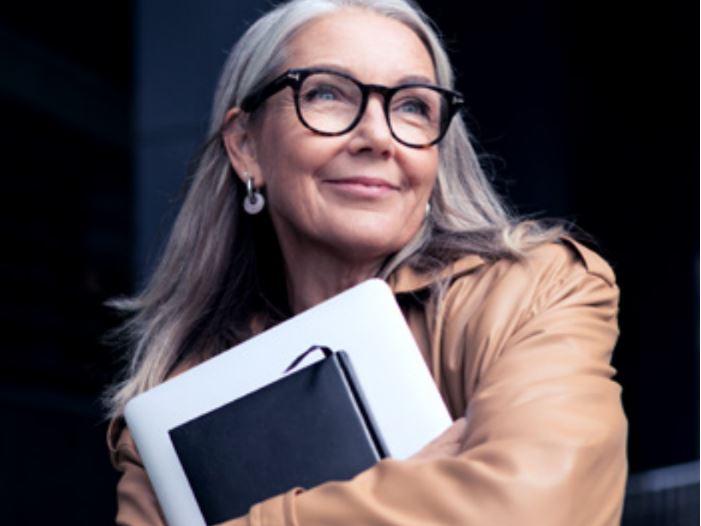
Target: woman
<point x="334" y="125"/>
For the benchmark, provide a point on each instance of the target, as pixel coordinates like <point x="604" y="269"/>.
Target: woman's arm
<point x="545" y="433"/>
<point x="136" y="500"/>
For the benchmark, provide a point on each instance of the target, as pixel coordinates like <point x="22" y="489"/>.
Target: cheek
<point x="288" y="162"/>
<point x="422" y="168"/>
<point x="286" y="148"/>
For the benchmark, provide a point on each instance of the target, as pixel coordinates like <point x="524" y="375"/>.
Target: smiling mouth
<point x="365" y="182"/>
<point x="362" y="188"/>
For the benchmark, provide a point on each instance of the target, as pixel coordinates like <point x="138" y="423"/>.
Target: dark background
<point x="583" y="110"/>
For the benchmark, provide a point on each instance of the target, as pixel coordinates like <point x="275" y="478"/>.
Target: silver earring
<point x="428" y="210"/>
<point x="254" y="201"/>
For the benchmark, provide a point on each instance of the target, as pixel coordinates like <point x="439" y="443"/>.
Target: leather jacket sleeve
<point x="528" y="347"/>
<point x="136" y="500"/>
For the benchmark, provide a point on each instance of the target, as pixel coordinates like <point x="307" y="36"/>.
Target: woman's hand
<point x="447" y="444"/>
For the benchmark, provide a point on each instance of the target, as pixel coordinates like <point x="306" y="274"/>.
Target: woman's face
<point x="361" y="195"/>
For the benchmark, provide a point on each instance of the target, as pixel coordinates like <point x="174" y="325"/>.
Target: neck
<point x="315" y="276"/>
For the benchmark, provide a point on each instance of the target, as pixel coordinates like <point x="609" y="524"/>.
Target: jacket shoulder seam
<point x="592" y="261"/>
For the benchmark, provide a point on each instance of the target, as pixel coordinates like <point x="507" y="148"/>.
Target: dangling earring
<point x="428" y="210"/>
<point x="254" y="201"/>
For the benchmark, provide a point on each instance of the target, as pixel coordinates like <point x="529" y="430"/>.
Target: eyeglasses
<point x="332" y="103"/>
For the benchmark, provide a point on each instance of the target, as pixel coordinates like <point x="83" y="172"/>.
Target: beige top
<point x="523" y="350"/>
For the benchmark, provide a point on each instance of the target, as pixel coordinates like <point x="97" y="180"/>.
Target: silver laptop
<point x="365" y="321"/>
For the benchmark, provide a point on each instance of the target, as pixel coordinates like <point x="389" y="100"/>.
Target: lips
<point x="363" y="181"/>
<point x="362" y="188"/>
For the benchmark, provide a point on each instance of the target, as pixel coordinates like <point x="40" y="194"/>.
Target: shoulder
<point x="560" y="257"/>
<point x="569" y="253"/>
<point x="564" y="254"/>
<point x="559" y="286"/>
<point x="563" y="267"/>
<point x="561" y="294"/>
<point x="488" y="297"/>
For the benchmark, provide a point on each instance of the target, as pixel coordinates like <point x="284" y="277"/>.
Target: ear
<point x="240" y="146"/>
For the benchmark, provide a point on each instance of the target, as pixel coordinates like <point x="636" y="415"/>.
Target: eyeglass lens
<point x="330" y="103"/>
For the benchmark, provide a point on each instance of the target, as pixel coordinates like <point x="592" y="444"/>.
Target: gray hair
<point x="216" y="270"/>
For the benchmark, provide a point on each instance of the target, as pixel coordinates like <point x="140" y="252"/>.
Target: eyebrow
<point x="406" y="79"/>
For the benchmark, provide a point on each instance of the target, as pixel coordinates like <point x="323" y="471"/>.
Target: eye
<point x="321" y="93"/>
<point x="414" y="106"/>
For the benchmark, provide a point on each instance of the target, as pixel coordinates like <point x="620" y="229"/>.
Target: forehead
<point x="373" y="47"/>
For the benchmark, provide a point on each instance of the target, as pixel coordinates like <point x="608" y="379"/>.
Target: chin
<point x="370" y="243"/>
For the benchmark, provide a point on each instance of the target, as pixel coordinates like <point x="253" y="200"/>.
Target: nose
<point x="372" y="133"/>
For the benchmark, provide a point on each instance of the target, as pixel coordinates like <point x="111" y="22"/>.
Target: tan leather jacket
<point x="523" y="351"/>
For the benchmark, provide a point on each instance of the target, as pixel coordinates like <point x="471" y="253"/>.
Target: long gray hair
<point x="221" y="266"/>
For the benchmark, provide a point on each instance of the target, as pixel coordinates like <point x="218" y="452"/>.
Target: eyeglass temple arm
<point x="255" y="99"/>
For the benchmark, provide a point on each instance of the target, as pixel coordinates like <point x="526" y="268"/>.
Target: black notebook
<point x="307" y="428"/>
